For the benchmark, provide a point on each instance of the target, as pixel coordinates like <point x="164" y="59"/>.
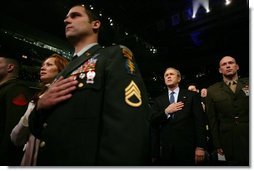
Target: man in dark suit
<point x="228" y="113"/>
<point x="14" y="98"/>
<point x="179" y="116"/>
<point x="97" y="112"/>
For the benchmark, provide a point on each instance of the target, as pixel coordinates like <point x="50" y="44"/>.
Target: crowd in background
<point x="95" y="110"/>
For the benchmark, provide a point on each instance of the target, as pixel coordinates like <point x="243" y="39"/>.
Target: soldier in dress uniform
<point x="227" y="106"/>
<point x="14" y="98"/>
<point x="96" y="112"/>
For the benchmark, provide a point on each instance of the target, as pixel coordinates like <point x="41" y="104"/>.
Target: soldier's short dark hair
<point x="93" y="14"/>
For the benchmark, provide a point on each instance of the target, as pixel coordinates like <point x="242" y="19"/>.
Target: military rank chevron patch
<point x="133" y="95"/>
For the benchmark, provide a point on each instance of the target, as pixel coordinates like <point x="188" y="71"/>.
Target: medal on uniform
<point x="90" y="76"/>
<point x="90" y="69"/>
<point x="246" y="90"/>
<point x="82" y="75"/>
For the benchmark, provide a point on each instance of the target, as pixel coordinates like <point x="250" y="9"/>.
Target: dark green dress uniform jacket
<point x="106" y="121"/>
<point x="180" y="134"/>
<point x="228" y="115"/>
<point x="14" y="98"/>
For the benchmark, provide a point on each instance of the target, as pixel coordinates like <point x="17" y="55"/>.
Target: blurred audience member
<point x="14" y="98"/>
<point x="203" y="94"/>
<point x="193" y="87"/>
<point x="20" y="135"/>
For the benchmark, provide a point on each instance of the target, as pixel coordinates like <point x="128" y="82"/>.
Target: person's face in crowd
<point x="48" y="70"/>
<point x="228" y="66"/>
<point x="4" y="68"/>
<point x="192" y="88"/>
<point x="171" y="78"/>
<point x="78" y="23"/>
<point x="203" y="92"/>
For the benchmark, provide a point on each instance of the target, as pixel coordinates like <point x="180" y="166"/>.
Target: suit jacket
<point x="14" y="98"/>
<point x="106" y="122"/>
<point x="228" y="115"/>
<point x="179" y="136"/>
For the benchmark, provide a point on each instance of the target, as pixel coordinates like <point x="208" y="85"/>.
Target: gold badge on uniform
<point x="127" y="52"/>
<point x="88" y="53"/>
<point x="133" y="95"/>
<point x="129" y="65"/>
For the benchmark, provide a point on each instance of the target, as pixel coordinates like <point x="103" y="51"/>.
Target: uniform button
<point x="42" y="144"/>
<point x="236" y="120"/>
<point x="45" y="125"/>
<point x="80" y="85"/>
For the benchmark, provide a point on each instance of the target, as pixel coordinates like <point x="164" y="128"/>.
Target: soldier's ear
<point x="220" y="70"/>
<point x="96" y="24"/>
<point x="10" y="67"/>
<point x="237" y="66"/>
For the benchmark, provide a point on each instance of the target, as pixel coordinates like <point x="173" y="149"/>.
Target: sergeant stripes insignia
<point x="131" y="91"/>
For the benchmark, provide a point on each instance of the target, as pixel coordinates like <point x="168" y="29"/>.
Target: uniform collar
<point x="235" y="81"/>
<point x="84" y="49"/>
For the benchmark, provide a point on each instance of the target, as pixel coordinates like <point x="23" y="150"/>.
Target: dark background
<point x="161" y="33"/>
